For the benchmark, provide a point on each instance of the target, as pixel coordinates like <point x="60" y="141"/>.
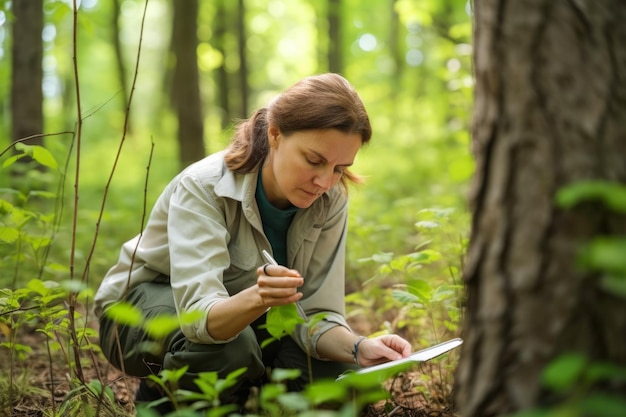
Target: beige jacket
<point x="205" y="232"/>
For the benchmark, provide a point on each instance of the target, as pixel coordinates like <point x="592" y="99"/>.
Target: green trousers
<point x="126" y="348"/>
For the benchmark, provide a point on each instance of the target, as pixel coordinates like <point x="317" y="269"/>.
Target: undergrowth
<point x="51" y="259"/>
<point x="415" y="294"/>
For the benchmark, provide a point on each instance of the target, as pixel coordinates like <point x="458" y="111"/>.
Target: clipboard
<point x="419" y="356"/>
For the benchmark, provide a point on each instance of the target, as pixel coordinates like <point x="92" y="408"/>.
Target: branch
<point x="39" y="135"/>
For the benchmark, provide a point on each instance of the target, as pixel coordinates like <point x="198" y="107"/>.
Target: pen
<point x="272" y="261"/>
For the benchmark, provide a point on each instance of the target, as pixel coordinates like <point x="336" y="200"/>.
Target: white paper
<point x="419" y="356"/>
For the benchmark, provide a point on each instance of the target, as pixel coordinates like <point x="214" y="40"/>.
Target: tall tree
<point x="119" y="56"/>
<point x="27" y="71"/>
<point x="335" y="52"/>
<point x="219" y="36"/>
<point x="242" y="37"/>
<point x="550" y="100"/>
<point x="395" y="51"/>
<point x="186" y="82"/>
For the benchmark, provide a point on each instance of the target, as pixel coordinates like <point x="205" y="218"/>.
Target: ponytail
<point x="249" y="145"/>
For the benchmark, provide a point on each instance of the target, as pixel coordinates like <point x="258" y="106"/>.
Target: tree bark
<point x="219" y="34"/>
<point x="550" y="100"/>
<point x="119" y="57"/>
<point x="27" y="71"/>
<point x="335" y="56"/>
<point x="242" y="37"/>
<point x="186" y="82"/>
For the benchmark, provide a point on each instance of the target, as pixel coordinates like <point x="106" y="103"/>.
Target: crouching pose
<point x="280" y="186"/>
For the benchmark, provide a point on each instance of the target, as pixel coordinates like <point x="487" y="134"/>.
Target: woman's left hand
<point x="382" y="349"/>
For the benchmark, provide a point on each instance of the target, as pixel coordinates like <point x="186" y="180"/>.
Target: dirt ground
<point x="40" y="381"/>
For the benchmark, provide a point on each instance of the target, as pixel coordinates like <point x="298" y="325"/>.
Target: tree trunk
<point x="550" y="101"/>
<point x="186" y="82"/>
<point x="396" y="53"/>
<point x="243" y="59"/>
<point x="119" y="57"/>
<point x="27" y="72"/>
<point x="335" y="53"/>
<point x="219" y="34"/>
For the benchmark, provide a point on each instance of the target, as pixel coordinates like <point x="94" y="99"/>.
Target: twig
<point x="112" y="172"/>
<point x="27" y="138"/>
<point x="79" y="127"/>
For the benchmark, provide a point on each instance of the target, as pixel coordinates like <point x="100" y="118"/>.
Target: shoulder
<point x="213" y="176"/>
<point x="211" y="167"/>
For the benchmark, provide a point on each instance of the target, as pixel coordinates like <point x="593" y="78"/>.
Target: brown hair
<point x="325" y="101"/>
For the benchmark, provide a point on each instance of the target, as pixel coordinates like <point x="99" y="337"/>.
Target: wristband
<point x="355" y="351"/>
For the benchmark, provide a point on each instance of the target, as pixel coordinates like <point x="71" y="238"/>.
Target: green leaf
<point x="326" y="391"/>
<point x="445" y="292"/>
<point x="279" y="374"/>
<point x="5" y="206"/>
<point x="606" y="254"/>
<point x="422" y="290"/>
<point x="427" y="225"/>
<point x="11" y="160"/>
<point x="173" y="375"/>
<point x="404" y="297"/>
<point x="160" y="326"/>
<point x="612" y="195"/>
<point x="282" y="320"/>
<point x="38" y="242"/>
<point x="382" y="258"/>
<point x="562" y="373"/>
<point x="37" y="152"/>
<point x="294" y="401"/>
<point x="125" y="314"/>
<point x="75" y="285"/>
<point x="426" y="256"/>
<point x="9" y="234"/>
<point x="96" y="387"/>
<point x="41" y="287"/>
<point x="44" y="157"/>
<point x="267" y="341"/>
<point x="189" y="317"/>
<point x="42" y="194"/>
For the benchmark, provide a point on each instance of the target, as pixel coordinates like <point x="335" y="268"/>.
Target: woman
<point x="280" y="186"/>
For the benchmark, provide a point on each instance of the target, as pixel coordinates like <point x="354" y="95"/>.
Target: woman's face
<point x="303" y="165"/>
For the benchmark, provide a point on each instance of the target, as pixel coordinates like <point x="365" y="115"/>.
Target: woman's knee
<point x="242" y="352"/>
<point x="130" y="348"/>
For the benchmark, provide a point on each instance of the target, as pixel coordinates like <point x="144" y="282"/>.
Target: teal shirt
<point x="275" y="223"/>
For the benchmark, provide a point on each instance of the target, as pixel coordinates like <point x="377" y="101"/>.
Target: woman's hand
<point x="382" y="349"/>
<point x="278" y="285"/>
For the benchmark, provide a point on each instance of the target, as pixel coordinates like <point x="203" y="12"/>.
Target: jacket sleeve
<point x="198" y="245"/>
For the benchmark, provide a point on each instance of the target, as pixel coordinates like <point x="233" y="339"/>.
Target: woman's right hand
<point x="278" y="285"/>
<point x="275" y="286"/>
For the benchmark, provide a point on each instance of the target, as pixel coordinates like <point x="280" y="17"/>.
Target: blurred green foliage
<point x="420" y="108"/>
<point x="411" y="63"/>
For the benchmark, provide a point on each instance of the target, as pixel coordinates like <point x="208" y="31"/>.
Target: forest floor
<point x="41" y="384"/>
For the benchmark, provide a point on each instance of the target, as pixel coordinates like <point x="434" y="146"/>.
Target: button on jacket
<point x="205" y="233"/>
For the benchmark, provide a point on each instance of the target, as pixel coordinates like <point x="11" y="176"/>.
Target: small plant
<point x="17" y="389"/>
<point x="423" y="289"/>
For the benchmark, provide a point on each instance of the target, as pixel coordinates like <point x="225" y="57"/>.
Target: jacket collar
<point x="242" y="188"/>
